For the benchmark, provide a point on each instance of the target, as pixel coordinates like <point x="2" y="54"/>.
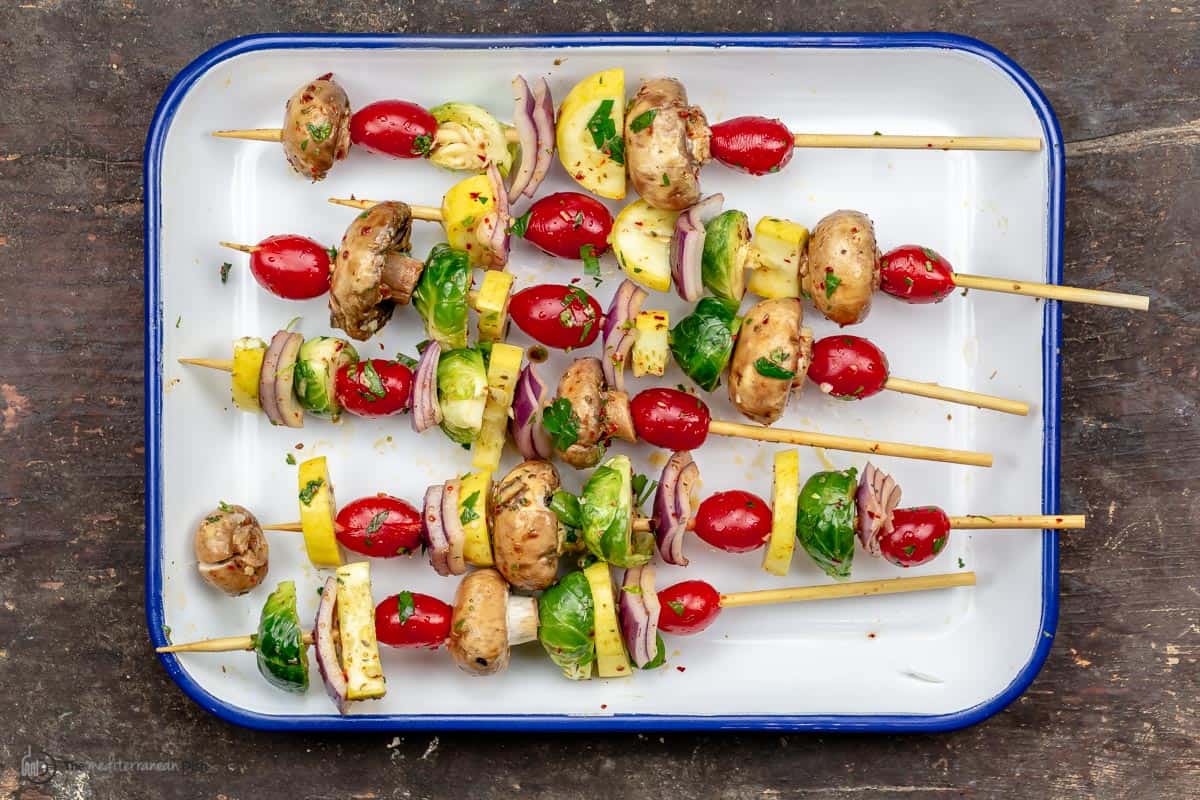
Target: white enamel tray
<point x="915" y="662"/>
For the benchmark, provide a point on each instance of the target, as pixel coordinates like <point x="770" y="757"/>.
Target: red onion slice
<point x="877" y="497"/>
<point x="266" y="377"/>
<point x="285" y="380"/>
<point x="452" y="524"/>
<point x="687" y="246"/>
<point x="639" y="609"/>
<point x="527" y="136"/>
<point x="426" y="411"/>
<point x="619" y="334"/>
<point x="498" y="241"/>
<point x="432" y="532"/>
<point x="529" y="398"/>
<point x="543" y="119"/>
<point x="325" y="642"/>
<point x="673" y="506"/>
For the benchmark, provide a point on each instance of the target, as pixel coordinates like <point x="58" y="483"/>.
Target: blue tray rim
<point x="876" y="723"/>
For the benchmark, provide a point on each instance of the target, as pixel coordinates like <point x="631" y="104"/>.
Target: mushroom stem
<point x="400" y="275"/>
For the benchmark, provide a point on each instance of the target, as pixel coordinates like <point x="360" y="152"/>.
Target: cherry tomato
<point x="688" y="607"/>
<point x="292" y="267"/>
<point x="382" y="526"/>
<point x="849" y="367"/>
<point x="752" y="144"/>
<point x="735" y="521"/>
<point x="557" y="316"/>
<point x="563" y="224"/>
<point x="916" y="274"/>
<point x="374" y="388"/>
<point x="918" y="534"/>
<point x="394" y="128"/>
<point x="412" y="619"/>
<point x="670" y="419"/>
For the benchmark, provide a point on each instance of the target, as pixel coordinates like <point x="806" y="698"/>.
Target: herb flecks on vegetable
<point x="405" y="606"/>
<point x="643" y="120"/>
<point x="643" y="487"/>
<point x="832" y="282"/>
<point x="591" y="264"/>
<point x="469" y="514"/>
<point x="310" y="490"/>
<point x="560" y="421"/>
<point x="604" y="133"/>
<point x="773" y="367"/>
<point x="368" y="375"/>
<point x="520" y="224"/>
<point x="377" y="522"/>
<point x="319" y="133"/>
<point x="676" y="606"/>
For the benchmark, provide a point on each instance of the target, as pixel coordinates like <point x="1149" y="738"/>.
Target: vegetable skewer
<point x="318" y="131"/>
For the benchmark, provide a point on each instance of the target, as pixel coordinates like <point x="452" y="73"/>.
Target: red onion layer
<point x="619" y="334"/>
<point x="877" y="497"/>
<point x="426" y="411"/>
<point x="325" y="643"/>
<point x="433" y="533"/>
<point x="529" y="398"/>
<point x="640" y="608"/>
<point x="673" y="506"/>
<point x="687" y="246"/>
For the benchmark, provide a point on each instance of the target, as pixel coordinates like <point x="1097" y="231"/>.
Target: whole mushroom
<point x="316" y="127"/>
<point x="666" y="144"/>
<point x="373" y="271"/>
<point x="486" y="622"/>
<point x="231" y="550"/>
<point x="527" y="536"/>
<point x="840" y="267"/>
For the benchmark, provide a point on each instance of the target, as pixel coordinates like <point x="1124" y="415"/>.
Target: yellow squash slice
<point x="611" y="660"/>
<point x="595" y="108"/>
<point x="641" y="242"/>
<point x="356" y="629"/>
<point x="503" y="368"/>
<point x="492" y="305"/>
<point x="248" y="353"/>
<point x="464" y="206"/>
<point x="777" y="559"/>
<point x="652" y="347"/>
<point x="318" y="514"/>
<point x="473" y="514"/>
<point x="775" y="258"/>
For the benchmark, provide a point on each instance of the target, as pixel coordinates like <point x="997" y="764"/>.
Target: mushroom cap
<point x="582" y="385"/>
<point x="526" y="535"/>
<point x="231" y="550"/>
<point x="375" y="243"/>
<point x="478" y="640"/>
<point x="664" y="157"/>
<point x="843" y="245"/>
<point x="316" y="127"/>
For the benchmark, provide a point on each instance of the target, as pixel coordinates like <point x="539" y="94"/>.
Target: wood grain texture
<point x="1112" y="715"/>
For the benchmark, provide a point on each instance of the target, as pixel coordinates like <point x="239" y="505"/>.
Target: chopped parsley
<point x="224" y="506"/>
<point x="368" y="376"/>
<point x="559" y="420"/>
<point x="642" y="120"/>
<point x="773" y="367"/>
<point x="319" y="133"/>
<point x="405" y="606"/>
<point x="332" y="251"/>
<point x="604" y="133"/>
<point x="831" y="284"/>
<point x="376" y="523"/>
<point x="407" y="361"/>
<point x="290" y="459"/>
<point x="591" y="264"/>
<point x="631" y="589"/>
<point x="468" y="513"/>
<point x="676" y="606"/>
<point x="642" y="488"/>
<point x="213" y="518"/>
<point x="422" y="145"/>
<point x="938" y="544"/>
<point x="666" y="181"/>
<point x="225" y="272"/>
<point x="909" y="549"/>
<point x="577" y="223"/>
<point x="520" y="224"/>
<point x="310" y="490"/>
<point x="566" y="507"/>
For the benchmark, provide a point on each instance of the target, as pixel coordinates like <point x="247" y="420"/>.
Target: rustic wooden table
<point x="1114" y="711"/>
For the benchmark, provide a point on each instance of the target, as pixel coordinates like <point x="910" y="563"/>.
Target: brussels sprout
<point x="723" y="266"/>
<point x="825" y="520"/>
<point x="316" y="373"/>
<point x="279" y="643"/>
<point x="462" y="394"/>
<point x="441" y="296"/>
<point x="466" y="132"/>
<point x="702" y="342"/>
<point x="567" y="624"/>
<point x="606" y="511"/>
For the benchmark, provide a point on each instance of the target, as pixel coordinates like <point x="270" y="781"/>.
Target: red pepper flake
<point x="871" y="635"/>
<point x="365" y="230"/>
<point x="682" y="669"/>
<point x="474" y="195"/>
<point x="326" y="76"/>
<point x="307" y="98"/>
<point x="603" y="706"/>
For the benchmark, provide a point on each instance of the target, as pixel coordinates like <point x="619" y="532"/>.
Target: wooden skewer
<point x="732" y="600"/>
<point x="223" y="364"/>
<point x="1050" y="291"/>
<point x="226" y="644"/>
<point x="1019" y="521"/>
<point x="296" y="527"/>
<point x="848" y="443"/>
<point x="244" y="248"/>
<point x="880" y="141"/>
<point x="276" y="134"/>
<point x="427" y="213"/>
<point x="959" y="396"/>
<point x="799" y="594"/>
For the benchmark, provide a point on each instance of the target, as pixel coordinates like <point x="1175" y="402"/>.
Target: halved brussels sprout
<point x="462" y="394"/>
<point x="726" y="246"/>
<point x="825" y="520"/>
<point x="469" y="138"/>
<point x="606" y="511"/>
<point x="702" y="342"/>
<point x="316" y="373"/>
<point x="441" y="296"/>
<point x="279" y="643"/>
<point x="566" y="627"/>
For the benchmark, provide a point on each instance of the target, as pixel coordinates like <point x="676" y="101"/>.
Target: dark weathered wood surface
<point x="1112" y="715"/>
